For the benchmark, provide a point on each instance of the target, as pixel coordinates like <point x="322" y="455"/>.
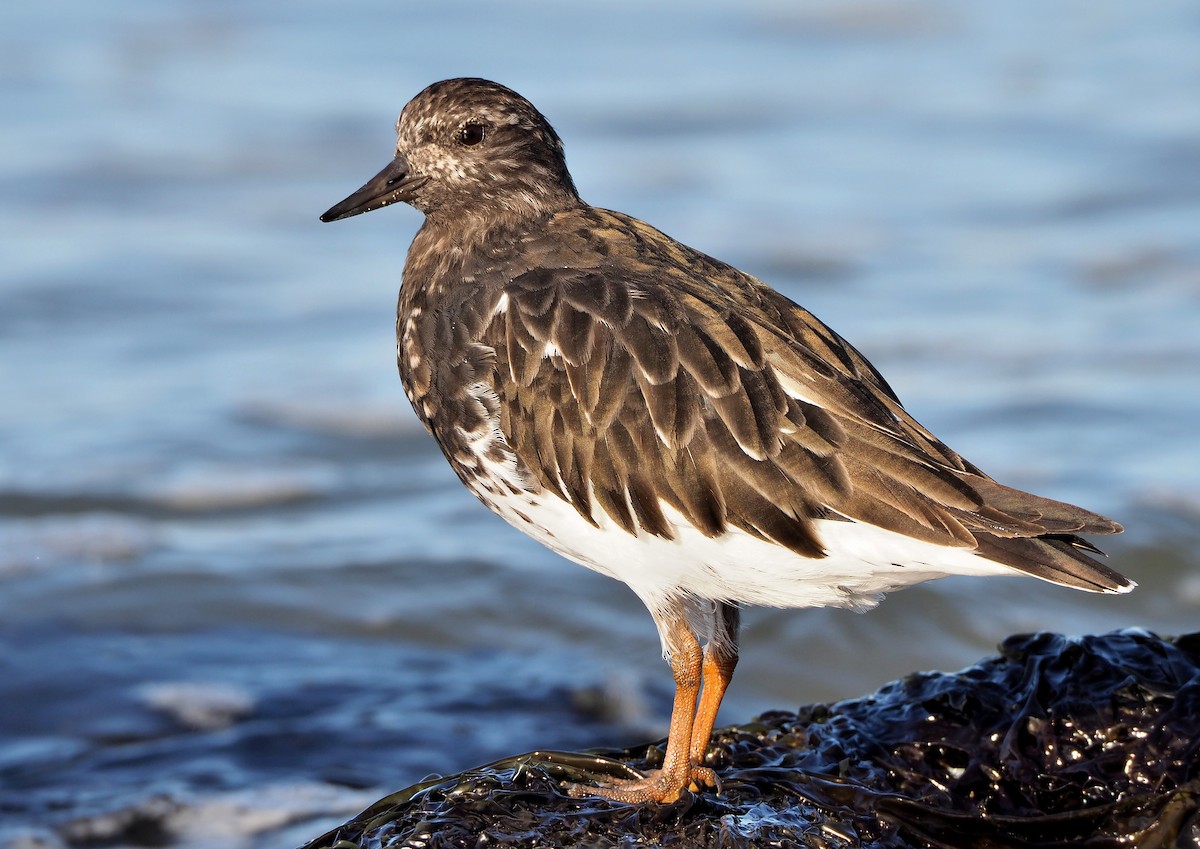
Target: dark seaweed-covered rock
<point x="1058" y="742"/>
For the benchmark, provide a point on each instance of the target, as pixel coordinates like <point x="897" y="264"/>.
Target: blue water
<point x="241" y="594"/>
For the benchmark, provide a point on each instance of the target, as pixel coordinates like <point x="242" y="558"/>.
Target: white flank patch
<point x="480" y="443"/>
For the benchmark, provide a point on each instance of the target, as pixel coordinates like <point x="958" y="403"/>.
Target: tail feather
<point x="1057" y="558"/>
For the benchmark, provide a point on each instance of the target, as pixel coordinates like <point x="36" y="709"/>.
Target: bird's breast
<point x="449" y="377"/>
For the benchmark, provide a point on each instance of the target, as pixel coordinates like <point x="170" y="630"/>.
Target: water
<point x="241" y="594"/>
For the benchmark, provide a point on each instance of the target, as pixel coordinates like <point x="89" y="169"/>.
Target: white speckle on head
<point x="551" y="350"/>
<point x="501" y="304"/>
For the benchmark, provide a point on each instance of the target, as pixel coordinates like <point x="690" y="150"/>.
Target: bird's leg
<point x="720" y="658"/>
<point x="679" y="770"/>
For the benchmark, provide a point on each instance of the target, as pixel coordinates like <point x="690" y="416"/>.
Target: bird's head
<point x="465" y="148"/>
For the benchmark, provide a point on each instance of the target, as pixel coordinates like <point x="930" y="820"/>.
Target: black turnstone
<point x="663" y="418"/>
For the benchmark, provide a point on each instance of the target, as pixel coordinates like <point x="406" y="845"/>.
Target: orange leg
<point x="665" y="785"/>
<point x="691" y="726"/>
<point x="720" y="659"/>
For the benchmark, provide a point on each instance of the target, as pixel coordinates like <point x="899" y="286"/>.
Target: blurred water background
<point x="241" y="593"/>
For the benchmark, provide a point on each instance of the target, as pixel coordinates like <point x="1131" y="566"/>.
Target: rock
<point x="1057" y="742"/>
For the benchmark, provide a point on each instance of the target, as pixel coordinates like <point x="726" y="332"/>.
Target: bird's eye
<point x="471" y="134"/>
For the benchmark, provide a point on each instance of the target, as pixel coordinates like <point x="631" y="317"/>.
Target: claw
<point x="655" y="787"/>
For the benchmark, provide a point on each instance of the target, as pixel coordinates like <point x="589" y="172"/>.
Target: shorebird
<point x="663" y="418"/>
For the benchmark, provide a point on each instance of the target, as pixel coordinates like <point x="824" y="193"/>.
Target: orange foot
<point x="656" y="786"/>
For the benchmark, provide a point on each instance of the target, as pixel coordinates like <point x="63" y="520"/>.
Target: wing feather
<point x="626" y="390"/>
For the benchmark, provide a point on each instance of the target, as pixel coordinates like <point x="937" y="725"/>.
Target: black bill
<point x="394" y="183"/>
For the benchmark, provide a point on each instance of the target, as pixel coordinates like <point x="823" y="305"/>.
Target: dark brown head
<point x="469" y="147"/>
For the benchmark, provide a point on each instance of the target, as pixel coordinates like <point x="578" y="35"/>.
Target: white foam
<point x="228" y="485"/>
<point x="91" y="538"/>
<point x="203" y="706"/>
<point x="243" y="819"/>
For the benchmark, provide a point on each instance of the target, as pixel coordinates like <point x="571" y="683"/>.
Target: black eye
<point x="471" y="134"/>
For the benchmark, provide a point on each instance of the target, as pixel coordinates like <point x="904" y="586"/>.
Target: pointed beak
<point x="394" y="183"/>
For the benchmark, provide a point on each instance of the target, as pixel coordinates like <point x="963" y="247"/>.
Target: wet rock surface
<point x="1056" y="742"/>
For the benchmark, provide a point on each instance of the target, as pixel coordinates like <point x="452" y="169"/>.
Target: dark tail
<point x="1052" y="551"/>
<point x="1058" y="558"/>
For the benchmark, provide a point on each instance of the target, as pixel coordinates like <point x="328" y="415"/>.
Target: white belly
<point x="862" y="561"/>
